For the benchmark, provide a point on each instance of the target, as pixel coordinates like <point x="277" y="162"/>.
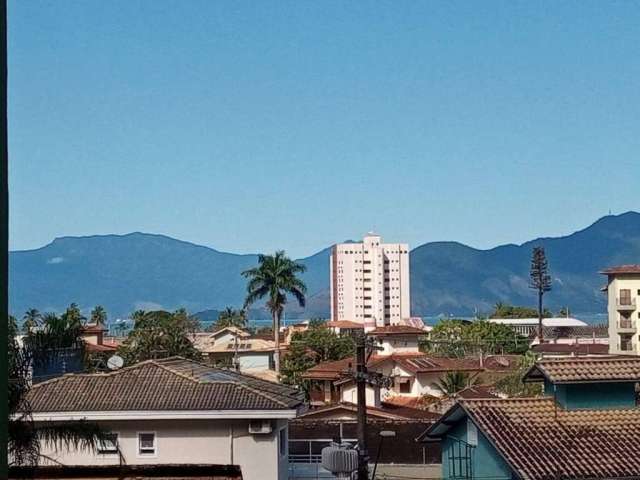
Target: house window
<point x="405" y="385"/>
<point x="109" y="445"/>
<point x="626" y="343"/>
<point x="146" y="443"/>
<point x="472" y="433"/>
<point x="282" y="441"/>
<point x="625" y="296"/>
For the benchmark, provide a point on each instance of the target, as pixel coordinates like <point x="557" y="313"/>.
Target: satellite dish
<point x="115" y="362"/>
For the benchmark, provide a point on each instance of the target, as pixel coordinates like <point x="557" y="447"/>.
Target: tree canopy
<point x="31" y="320"/>
<point x="512" y="384"/>
<point x="25" y="437"/>
<point x="160" y="334"/>
<point x="308" y="348"/>
<point x="457" y="338"/>
<point x="452" y="382"/>
<point x="99" y="315"/>
<point x="229" y="317"/>
<point x="73" y="315"/>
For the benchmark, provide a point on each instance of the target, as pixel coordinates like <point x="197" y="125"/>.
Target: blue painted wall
<point x="487" y="463"/>
<point x="593" y="395"/>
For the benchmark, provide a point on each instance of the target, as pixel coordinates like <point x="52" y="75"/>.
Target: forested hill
<point x="139" y="270"/>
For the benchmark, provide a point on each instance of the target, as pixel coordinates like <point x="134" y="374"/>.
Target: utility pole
<point x="362" y="378"/>
<point x="361" y="384"/>
<point x="236" y="364"/>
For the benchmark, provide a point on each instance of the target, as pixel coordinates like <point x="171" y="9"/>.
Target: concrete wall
<point x="486" y="461"/>
<point x="192" y="442"/>
<point x="401" y="449"/>
<point x="254" y="361"/>
<point x="600" y="396"/>
<point x="399" y="344"/>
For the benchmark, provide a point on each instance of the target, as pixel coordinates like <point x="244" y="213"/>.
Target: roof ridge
<point x="262" y="394"/>
<point x="180" y="374"/>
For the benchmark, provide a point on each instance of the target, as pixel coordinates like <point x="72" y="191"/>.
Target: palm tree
<point x="452" y="382"/>
<point x="73" y="316"/>
<point x="25" y="436"/>
<point x="274" y="278"/>
<point x="31" y="320"/>
<point x="138" y="316"/>
<point x="232" y="318"/>
<point x="99" y="315"/>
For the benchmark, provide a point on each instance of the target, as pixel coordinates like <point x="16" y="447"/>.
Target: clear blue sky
<point x="251" y="126"/>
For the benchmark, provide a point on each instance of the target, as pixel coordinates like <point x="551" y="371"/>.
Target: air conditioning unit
<point x="260" y="426"/>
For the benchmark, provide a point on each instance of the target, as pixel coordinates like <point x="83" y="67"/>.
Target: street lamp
<point x="383" y="434"/>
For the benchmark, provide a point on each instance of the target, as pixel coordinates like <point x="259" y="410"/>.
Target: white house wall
<point x="193" y="442"/>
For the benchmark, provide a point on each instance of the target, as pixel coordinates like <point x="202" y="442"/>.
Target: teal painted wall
<point x="487" y="462"/>
<point x="593" y="395"/>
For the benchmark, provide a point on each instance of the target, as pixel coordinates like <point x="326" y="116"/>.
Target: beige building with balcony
<point x="623" y="294"/>
<point x="370" y="282"/>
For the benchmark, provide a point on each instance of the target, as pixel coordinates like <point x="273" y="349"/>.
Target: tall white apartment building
<point x="623" y="293"/>
<point x="370" y="282"/>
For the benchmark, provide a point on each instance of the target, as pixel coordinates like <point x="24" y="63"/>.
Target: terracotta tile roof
<point x="473" y="392"/>
<point x="501" y="363"/>
<point x="586" y="369"/>
<point x="92" y="347"/>
<point x="168" y="384"/>
<point x="477" y="391"/>
<point x="330" y="370"/>
<point x="405" y="401"/>
<point x="634" y="268"/>
<point x="422" y="363"/>
<point x="572" y="348"/>
<point x="387" y="411"/>
<point x="396" y="330"/>
<point x="541" y="442"/>
<point x="344" y="324"/>
<point x="414" y="363"/>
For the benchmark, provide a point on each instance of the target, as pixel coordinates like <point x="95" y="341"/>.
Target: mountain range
<point x="148" y="271"/>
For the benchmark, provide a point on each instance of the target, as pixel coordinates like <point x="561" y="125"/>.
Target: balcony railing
<point x="627" y="347"/>
<point x="626" y="324"/>
<point x="626" y="303"/>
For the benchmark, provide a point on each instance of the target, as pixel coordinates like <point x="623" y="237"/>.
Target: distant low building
<point x="526" y="326"/>
<point x="571" y="341"/>
<point x="623" y="300"/>
<point x="399" y="338"/>
<point x="229" y="346"/>
<point x="96" y="340"/>
<point x="315" y="429"/>
<point x="174" y="411"/>
<point x="413" y="375"/>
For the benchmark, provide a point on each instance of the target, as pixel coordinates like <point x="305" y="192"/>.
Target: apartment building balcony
<point x="627" y="324"/>
<point x="625" y="304"/>
<point x="628" y="348"/>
